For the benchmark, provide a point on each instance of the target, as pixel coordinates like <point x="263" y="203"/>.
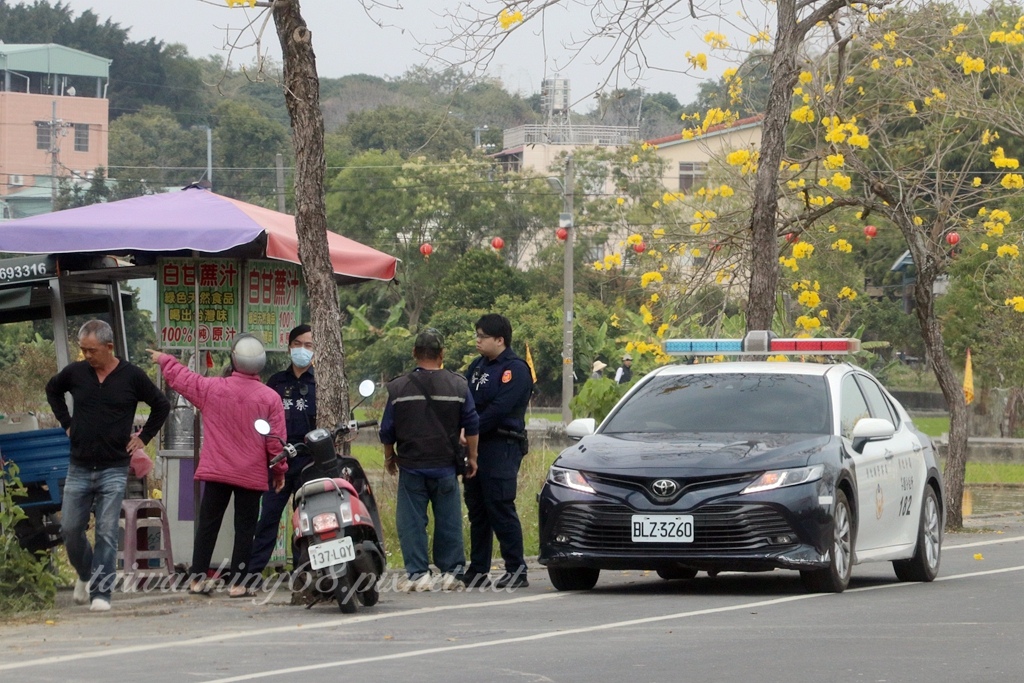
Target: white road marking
<point x="346" y="621"/>
<point x="575" y="631"/>
<point x="189" y="642"/>
<point x="978" y="544"/>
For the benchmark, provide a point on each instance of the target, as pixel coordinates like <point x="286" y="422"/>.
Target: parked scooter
<point x="337" y="528"/>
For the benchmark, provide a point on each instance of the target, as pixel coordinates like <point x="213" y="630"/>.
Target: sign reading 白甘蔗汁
<point x="263" y="298"/>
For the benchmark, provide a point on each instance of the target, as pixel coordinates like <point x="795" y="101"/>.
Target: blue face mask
<point x="301" y="357"/>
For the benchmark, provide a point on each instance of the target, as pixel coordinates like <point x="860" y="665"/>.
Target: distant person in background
<point x="296" y="386"/>
<point x="625" y="372"/>
<point x="106" y="392"/>
<point x="597" y="372"/>
<point x="234" y="457"/>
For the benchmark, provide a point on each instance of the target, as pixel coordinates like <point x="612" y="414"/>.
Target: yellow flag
<point x="529" y="361"/>
<point x="969" y="379"/>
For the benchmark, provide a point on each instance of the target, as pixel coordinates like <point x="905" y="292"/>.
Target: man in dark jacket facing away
<point x="425" y="412"/>
<point x="106" y="392"/>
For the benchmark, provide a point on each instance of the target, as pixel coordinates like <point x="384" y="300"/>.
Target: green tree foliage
<point x="401" y="205"/>
<point x="408" y="131"/>
<point x="26" y="582"/>
<point x="478" y="278"/>
<point x="152" y="148"/>
<point x="245" y="146"/>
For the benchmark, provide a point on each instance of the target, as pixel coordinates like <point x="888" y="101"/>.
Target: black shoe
<point x="476" y="580"/>
<point x="516" y="580"/>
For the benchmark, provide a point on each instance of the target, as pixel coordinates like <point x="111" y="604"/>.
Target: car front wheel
<point x="924" y="565"/>
<point x="836" y="577"/>
<point x="573" y="578"/>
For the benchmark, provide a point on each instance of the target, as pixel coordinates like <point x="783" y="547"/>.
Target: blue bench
<point x="42" y="458"/>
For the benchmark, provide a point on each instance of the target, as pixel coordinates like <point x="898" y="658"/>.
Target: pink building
<point x="53" y="122"/>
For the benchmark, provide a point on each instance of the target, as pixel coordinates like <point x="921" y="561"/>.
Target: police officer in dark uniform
<point x="501" y="385"/>
<point x="297" y="387"/>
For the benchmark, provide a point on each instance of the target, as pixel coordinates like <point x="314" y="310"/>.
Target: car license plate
<point x="662" y="528"/>
<point x="332" y="552"/>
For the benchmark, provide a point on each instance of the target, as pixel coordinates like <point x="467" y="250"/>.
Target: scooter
<point x="338" y="534"/>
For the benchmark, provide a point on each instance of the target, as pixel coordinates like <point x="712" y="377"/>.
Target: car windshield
<point x="735" y="403"/>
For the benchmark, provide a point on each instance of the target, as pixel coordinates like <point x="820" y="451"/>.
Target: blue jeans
<point x="414" y="493"/>
<point x="84" y="490"/>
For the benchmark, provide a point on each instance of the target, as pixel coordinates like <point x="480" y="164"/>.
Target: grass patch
<point x="994" y="473"/>
<point x="933" y="426"/>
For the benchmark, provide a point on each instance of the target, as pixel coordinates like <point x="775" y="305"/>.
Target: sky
<point x="347" y="41"/>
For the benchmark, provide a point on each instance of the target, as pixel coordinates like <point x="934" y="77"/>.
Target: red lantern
<point x="952" y="238"/>
<point x="497" y="243"/>
<point x="870" y="231"/>
<point x="562" y="234"/>
<point x="792" y="237"/>
<point x="639" y="247"/>
<point x="426" y="249"/>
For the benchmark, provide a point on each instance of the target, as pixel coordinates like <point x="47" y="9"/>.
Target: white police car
<point x="746" y="466"/>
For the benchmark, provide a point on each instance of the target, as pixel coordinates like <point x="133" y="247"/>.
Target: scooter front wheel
<point x="346" y="595"/>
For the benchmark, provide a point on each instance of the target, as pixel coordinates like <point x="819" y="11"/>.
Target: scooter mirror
<point x="262" y="426"/>
<point x="366" y="388"/>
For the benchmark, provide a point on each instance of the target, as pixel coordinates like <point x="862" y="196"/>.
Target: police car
<point x="746" y="466"/>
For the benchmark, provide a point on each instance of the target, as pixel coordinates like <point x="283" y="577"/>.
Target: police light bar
<point x="760" y="342"/>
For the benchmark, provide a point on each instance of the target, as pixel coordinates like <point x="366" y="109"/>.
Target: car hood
<point x="709" y="452"/>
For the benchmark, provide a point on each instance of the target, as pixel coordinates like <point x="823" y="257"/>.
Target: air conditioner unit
<point x="17" y="180"/>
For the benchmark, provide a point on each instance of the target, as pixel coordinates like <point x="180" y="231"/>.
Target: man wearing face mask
<point x="297" y="387"/>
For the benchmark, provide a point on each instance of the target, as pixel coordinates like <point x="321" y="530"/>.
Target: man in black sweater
<point x="105" y="391"/>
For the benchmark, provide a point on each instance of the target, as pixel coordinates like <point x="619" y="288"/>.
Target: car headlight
<point x="776" y="479"/>
<point x="569" y="478"/>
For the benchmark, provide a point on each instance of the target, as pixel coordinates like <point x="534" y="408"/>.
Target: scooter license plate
<point x="331" y="552"/>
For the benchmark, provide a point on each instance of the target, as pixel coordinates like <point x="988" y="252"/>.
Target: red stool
<point x="138" y="516"/>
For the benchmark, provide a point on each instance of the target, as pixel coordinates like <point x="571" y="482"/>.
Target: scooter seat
<point x="324" y="485"/>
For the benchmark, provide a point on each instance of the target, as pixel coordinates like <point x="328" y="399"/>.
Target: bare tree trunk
<point x="302" y="95"/>
<point x="764" y="261"/>
<point x="952" y="390"/>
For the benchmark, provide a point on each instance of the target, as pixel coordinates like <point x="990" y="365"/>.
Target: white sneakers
<point x="427" y="582"/>
<point x="99" y="605"/>
<point x="410" y="585"/>
<point x="81" y="592"/>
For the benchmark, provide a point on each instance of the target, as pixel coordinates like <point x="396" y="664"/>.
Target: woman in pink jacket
<point x="234" y="456"/>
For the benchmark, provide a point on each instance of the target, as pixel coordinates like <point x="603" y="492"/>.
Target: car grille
<point x="685" y="485"/>
<point x="716" y="528"/>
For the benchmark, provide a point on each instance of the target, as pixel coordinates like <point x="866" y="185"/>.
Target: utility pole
<point x="209" y="156"/>
<point x="54" y="123"/>
<point x="279" y="161"/>
<point x="565" y="220"/>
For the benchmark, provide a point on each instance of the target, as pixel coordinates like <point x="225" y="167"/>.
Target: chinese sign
<point x="273" y="301"/>
<point x="263" y="298"/>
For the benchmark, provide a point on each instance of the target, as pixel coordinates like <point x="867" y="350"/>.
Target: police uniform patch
<point x="506" y="377"/>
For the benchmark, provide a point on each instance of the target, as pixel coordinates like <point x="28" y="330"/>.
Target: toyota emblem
<point x="664" y="488"/>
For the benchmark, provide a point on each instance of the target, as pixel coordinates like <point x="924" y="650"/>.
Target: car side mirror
<point x="871" y="429"/>
<point x="577" y="429"/>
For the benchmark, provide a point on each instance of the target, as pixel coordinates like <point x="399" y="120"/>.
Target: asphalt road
<point x="966" y="626"/>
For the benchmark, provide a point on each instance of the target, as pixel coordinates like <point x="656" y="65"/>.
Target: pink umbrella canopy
<point x="193" y="220"/>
